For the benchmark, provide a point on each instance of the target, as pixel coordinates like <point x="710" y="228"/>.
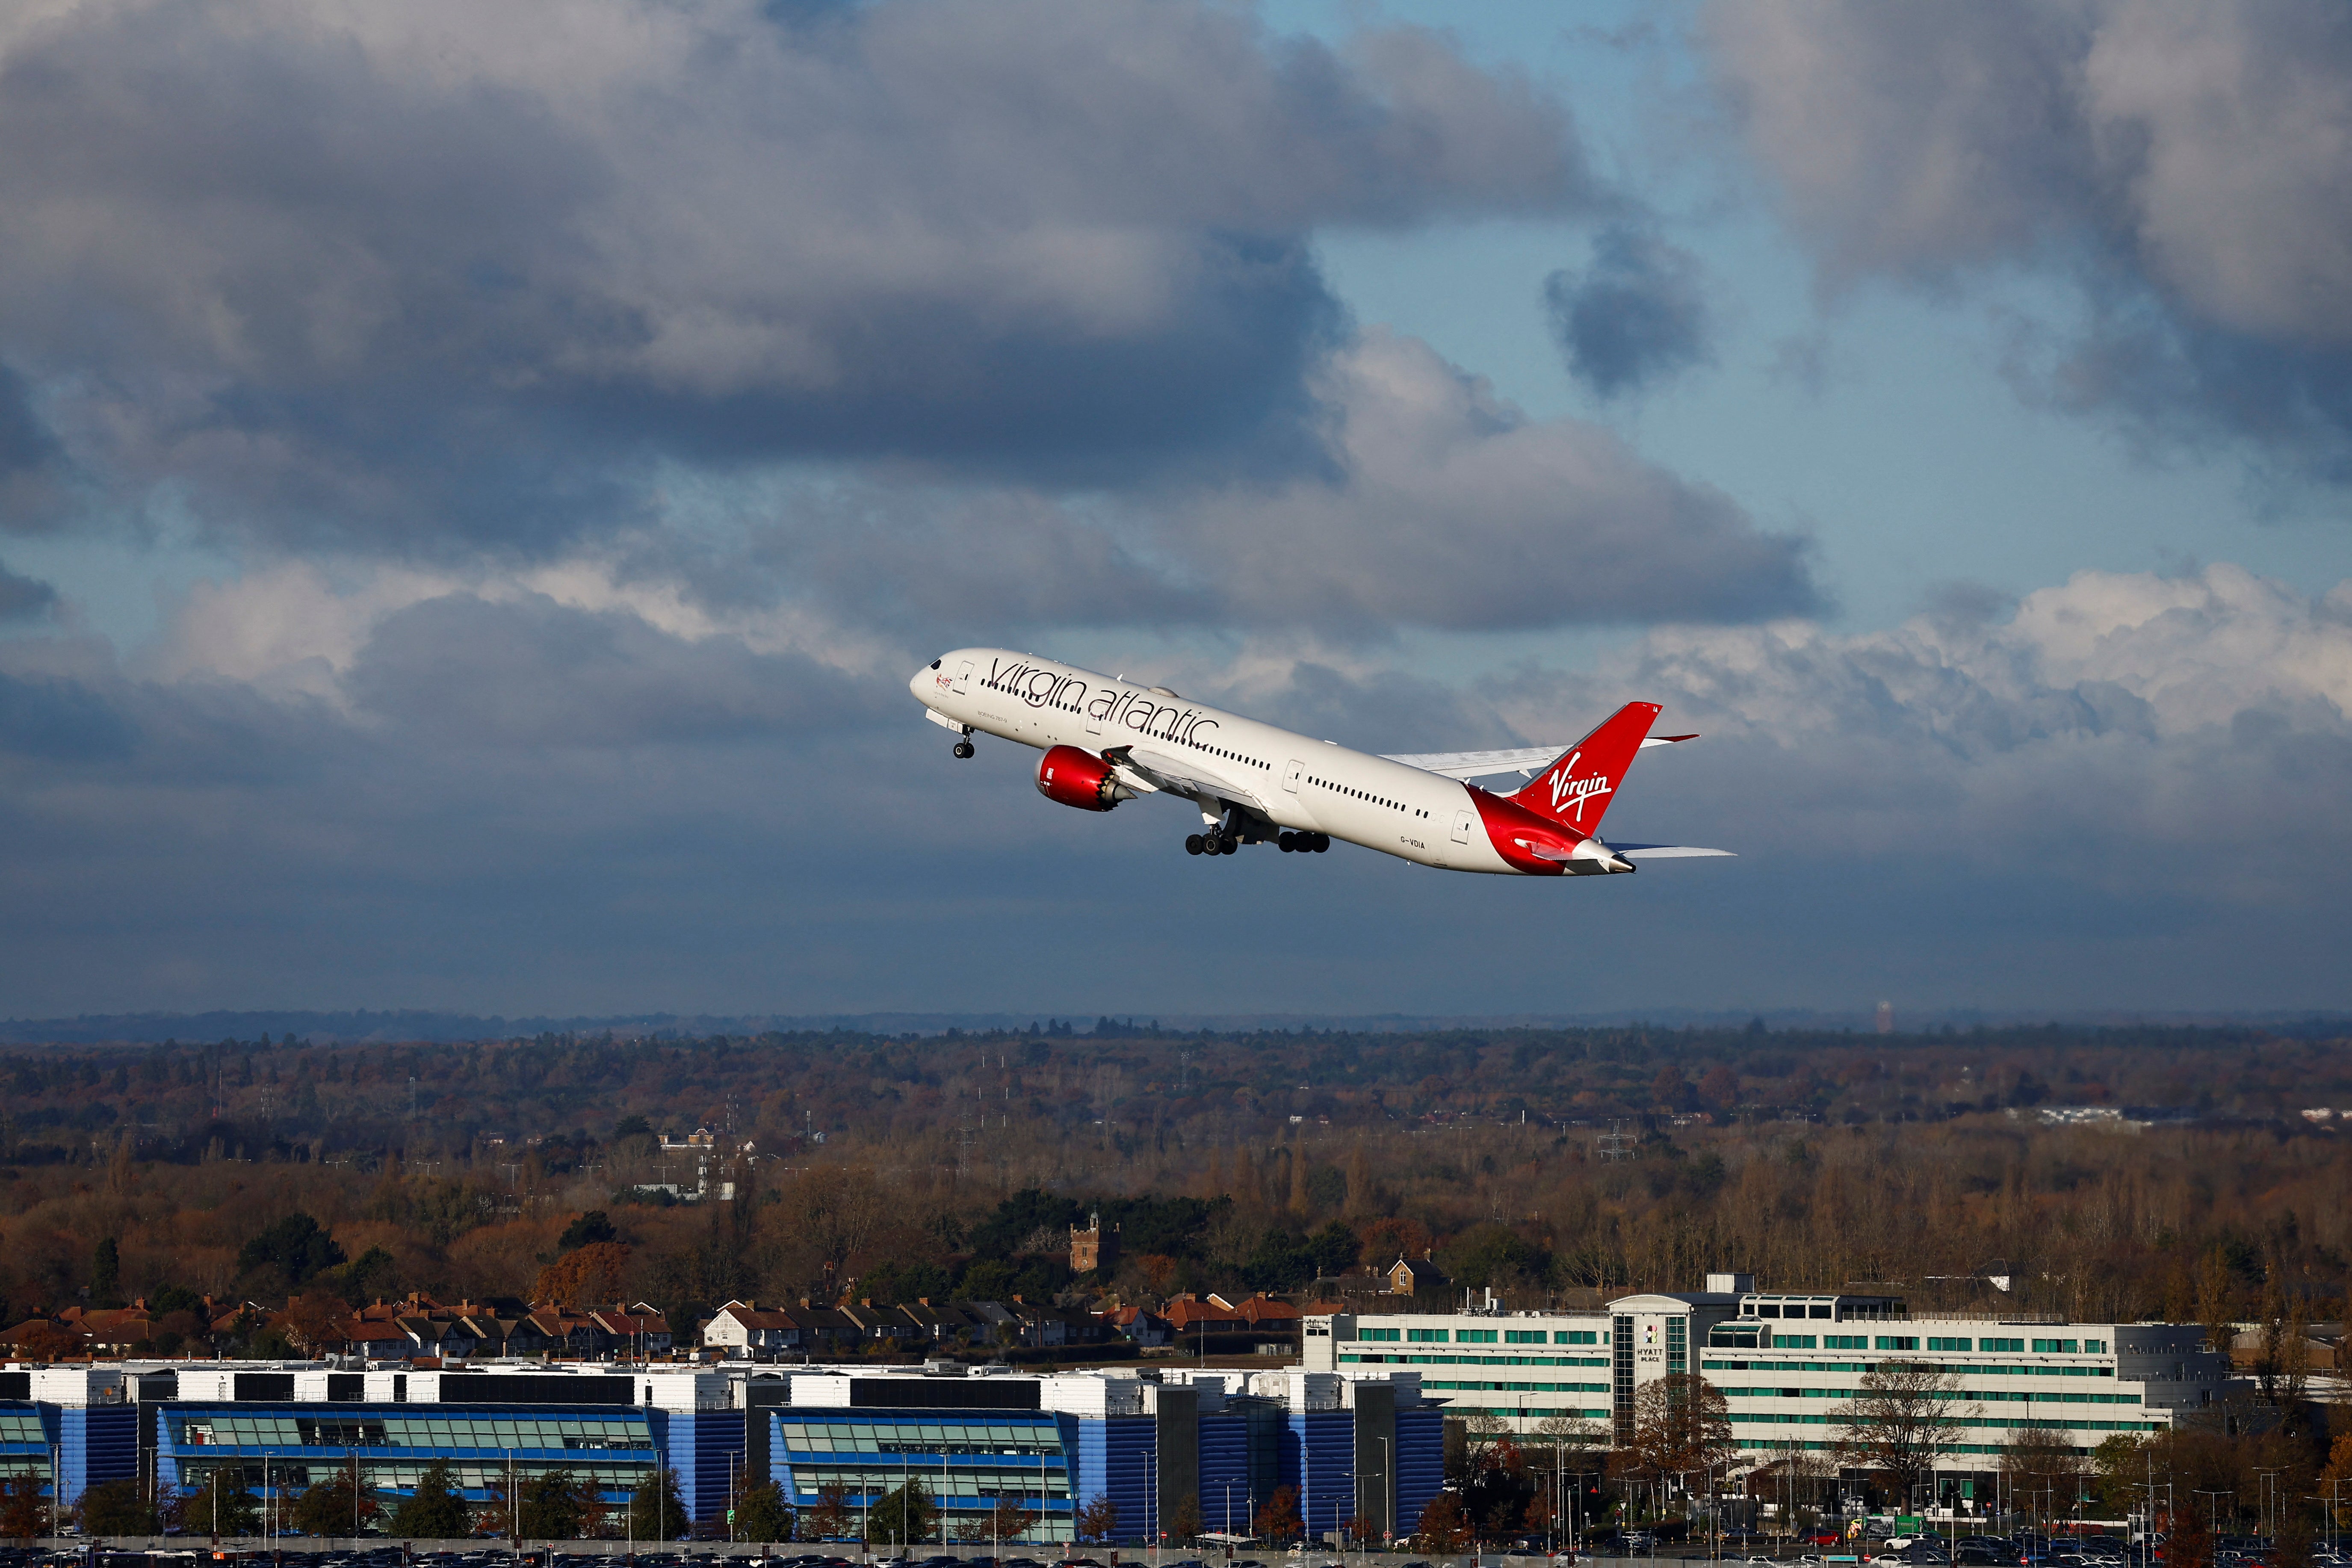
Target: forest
<point x="2107" y="1174"/>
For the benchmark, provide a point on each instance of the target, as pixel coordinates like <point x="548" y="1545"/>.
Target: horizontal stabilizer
<point x="1668" y="852"/>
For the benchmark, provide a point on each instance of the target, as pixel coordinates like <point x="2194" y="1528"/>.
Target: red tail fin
<point x="1576" y="790"/>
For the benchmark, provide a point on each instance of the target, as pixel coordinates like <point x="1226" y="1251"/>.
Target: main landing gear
<point x="963" y="749"/>
<point x="1225" y="842"/>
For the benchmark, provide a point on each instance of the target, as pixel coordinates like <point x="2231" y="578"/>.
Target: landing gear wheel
<point x="1322" y="841"/>
<point x="1194" y="844"/>
<point x="1228" y="845"/>
<point x="963" y="748"/>
<point x="1286" y="842"/>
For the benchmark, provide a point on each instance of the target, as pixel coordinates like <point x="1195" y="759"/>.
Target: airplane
<point x="1106" y="741"/>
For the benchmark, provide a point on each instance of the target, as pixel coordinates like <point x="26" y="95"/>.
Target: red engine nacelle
<point x="1078" y="778"/>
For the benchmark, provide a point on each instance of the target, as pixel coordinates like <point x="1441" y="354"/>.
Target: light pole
<point x="2269" y="1501"/>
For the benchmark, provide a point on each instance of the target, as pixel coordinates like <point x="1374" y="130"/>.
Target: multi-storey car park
<point x="1366" y="1446"/>
<point x="1785" y="1363"/>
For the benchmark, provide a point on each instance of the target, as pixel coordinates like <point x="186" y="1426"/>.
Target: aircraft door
<point x="1290" y="771"/>
<point x="963" y="677"/>
<point x="1463" y="821"/>
<point x="1094" y="719"/>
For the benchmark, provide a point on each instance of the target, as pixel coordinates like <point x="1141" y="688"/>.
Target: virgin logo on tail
<point x="1566" y="787"/>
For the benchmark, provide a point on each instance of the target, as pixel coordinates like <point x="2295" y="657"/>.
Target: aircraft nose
<point x="923" y="680"/>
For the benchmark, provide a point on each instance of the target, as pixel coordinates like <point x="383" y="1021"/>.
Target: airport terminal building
<point x="1155" y="1446"/>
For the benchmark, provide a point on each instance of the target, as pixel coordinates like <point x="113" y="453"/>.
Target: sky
<point x="475" y="482"/>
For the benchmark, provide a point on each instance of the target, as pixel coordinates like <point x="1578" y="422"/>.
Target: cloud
<point x="24" y="598"/>
<point x="1636" y="316"/>
<point x="532" y="673"/>
<point x="2125" y="788"/>
<point x="436" y="277"/>
<point x="1441" y="505"/>
<point x="2123" y="732"/>
<point x="2186" y="164"/>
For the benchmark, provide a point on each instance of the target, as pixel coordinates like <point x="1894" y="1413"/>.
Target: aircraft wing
<point x="1516" y="759"/>
<point x="1181" y="776"/>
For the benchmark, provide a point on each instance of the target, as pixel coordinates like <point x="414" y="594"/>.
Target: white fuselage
<point x="1305" y="784"/>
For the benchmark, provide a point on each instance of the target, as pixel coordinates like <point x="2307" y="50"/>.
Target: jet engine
<point x="1078" y="778"/>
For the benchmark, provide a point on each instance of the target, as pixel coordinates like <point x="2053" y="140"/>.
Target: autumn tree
<point x="1897" y="1423"/>
<point x="1682" y="1425"/>
<point x="1010" y="1520"/>
<point x="1277" y="1517"/>
<point x="831" y="1519"/>
<point x="1441" y="1530"/>
<point x="44" y="1340"/>
<point x="1184" y="1522"/>
<point x="338" y="1505"/>
<point x="313" y="1324"/>
<point x="585" y="1275"/>
<point x="1097" y="1520"/>
<point x="23" y="1512"/>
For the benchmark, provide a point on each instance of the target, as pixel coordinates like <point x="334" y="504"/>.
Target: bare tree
<point x="1898" y="1422"/>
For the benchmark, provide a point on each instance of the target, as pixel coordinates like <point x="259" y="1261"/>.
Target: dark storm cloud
<point x="1439" y="505"/>
<point x="24" y="598"/>
<point x="407" y="276"/>
<point x="2185" y="163"/>
<point x="1637" y="315"/>
<point x="59" y="721"/>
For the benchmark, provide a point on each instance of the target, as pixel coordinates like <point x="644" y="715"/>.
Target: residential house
<point x="639" y="1328"/>
<point x="1138" y="1326"/>
<point x="1416" y="1276"/>
<point x="379" y="1341"/>
<point x="745" y="1331"/>
<point x="1191" y="1316"/>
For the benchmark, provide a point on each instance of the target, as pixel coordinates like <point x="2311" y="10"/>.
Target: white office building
<point x="1785" y="1363"/>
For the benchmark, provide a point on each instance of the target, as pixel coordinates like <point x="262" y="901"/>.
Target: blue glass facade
<point x="977" y="1444"/>
<point x="966" y="1459"/>
<point x="282" y="1445"/>
<point x="705" y="1448"/>
<point x="1420" y="1463"/>
<point x="28" y="1432"/>
<point x="86" y="1446"/>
